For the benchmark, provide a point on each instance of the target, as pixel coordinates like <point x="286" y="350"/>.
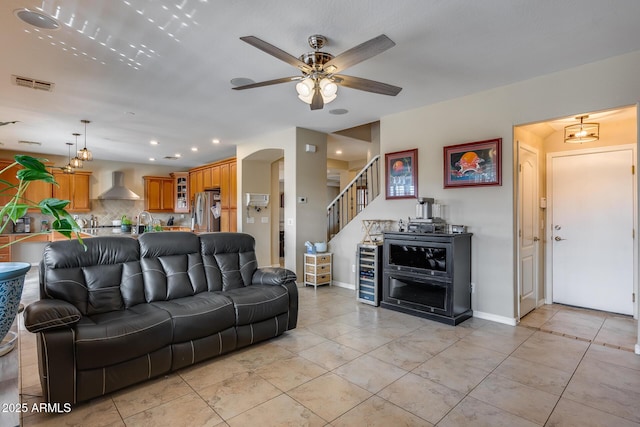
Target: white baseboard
<point x="637" y="349"/>
<point x="495" y="318"/>
<point x="343" y="285"/>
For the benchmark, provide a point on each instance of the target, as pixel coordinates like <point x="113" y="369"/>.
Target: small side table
<point x="317" y="269"/>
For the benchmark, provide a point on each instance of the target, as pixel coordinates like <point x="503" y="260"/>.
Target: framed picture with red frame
<point x="401" y="174"/>
<point x="473" y="164"/>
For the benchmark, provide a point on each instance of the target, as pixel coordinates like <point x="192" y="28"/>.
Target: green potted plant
<point x="12" y="274"/>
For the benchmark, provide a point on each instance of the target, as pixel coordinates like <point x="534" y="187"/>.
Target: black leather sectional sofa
<point x="126" y="310"/>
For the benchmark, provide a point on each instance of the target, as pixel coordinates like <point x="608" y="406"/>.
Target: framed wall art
<point x="473" y="164"/>
<point x="401" y="174"/>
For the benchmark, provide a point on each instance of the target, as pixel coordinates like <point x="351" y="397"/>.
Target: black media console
<point x="428" y="275"/>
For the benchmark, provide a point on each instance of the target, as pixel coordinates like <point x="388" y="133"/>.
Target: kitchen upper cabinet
<point x="233" y="185"/>
<point x="215" y="176"/>
<point x="36" y="191"/>
<point x="207" y="180"/>
<point x="224" y="186"/>
<point x="158" y="194"/>
<point x="181" y="188"/>
<point x="75" y="188"/>
<point x="10" y="177"/>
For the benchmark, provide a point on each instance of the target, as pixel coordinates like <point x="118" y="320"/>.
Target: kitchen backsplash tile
<point x="108" y="210"/>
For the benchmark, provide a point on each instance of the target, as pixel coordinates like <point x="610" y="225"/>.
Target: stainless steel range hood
<point x="118" y="191"/>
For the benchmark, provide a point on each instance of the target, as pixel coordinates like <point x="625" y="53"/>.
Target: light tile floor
<point x="350" y="364"/>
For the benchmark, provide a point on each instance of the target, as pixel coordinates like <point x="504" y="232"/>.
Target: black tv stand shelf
<point x="428" y="275"/>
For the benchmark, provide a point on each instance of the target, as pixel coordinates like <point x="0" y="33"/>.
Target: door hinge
<point x="519" y="168"/>
<point x="633" y="297"/>
<point x="633" y="169"/>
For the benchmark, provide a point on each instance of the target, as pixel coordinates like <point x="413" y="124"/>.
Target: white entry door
<point x="528" y="228"/>
<point x="592" y="229"/>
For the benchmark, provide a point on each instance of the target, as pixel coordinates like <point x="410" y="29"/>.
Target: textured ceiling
<point x="145" y="69"/>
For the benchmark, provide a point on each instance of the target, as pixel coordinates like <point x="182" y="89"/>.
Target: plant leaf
<point x="29" y="162"/>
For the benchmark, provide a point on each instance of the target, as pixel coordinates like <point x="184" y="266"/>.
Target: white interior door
<point x="528" y="228"/>
<point x="592" y="229"/>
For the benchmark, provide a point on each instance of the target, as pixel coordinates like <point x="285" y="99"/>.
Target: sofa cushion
<point x="90" y="280"/>
<point x="258" y="302"/>
<point x="229" y="260"/>
<point x="171" y="265"/>
<point x="199" y="315"/>
<point x="109" y="338"/>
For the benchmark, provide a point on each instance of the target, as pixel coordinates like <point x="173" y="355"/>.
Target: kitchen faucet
<point x="149" y="221"/>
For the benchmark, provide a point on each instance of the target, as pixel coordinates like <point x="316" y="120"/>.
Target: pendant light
<point x="581" y="132"/>
<point x="85" y="155"/>
<point x="76" y="162"/>
<point x="68" y="168"/>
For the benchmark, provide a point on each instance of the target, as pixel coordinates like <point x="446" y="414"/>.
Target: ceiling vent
<point x="32" y="83"/>
<point x="29" y="142"/>
<point x="171" y="157"/>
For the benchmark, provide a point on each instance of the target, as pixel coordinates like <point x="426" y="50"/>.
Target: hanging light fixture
<point x="581" y="132"/>
<point x="76" y="162"/>
<point x="306" y="88"/>
<point x="68" y="168"/>
<point x="85" y="155"/>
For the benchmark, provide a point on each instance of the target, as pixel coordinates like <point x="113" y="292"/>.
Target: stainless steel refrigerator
<point x="206" y="212"/>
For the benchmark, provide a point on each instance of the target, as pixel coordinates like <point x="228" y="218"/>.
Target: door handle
<point x="558" y="238"/>
<point x="536" y="238"/>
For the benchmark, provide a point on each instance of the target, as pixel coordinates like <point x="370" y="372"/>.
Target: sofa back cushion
<point x="229" y="260"/>
<point x="171" y="265"/>
<point x="105" y="277"/>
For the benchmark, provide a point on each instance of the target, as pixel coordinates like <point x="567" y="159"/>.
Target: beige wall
<point x="489" y="212"/>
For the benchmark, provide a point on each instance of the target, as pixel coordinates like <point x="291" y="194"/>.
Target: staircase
<point x="354" y="197"/>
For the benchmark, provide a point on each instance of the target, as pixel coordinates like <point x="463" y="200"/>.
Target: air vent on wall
<point x="171" y="157"/>
<point x="32" y="83"/>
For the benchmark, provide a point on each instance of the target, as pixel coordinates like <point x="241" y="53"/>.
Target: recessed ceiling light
<point x="37" y="19"/>
<point x="338" y="111"/>
<point x="194" y="148"/>
<point x="215" y="141"/>
<point x="152" y="159"/>
<point x="178" y="155"/>
<point x="153" y="142"/>
<point x="338" y="151"/>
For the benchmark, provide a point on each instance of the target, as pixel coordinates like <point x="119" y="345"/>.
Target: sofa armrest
<point x="50" y="314"/>
<point x="272" y="276"/>
<point x="277" y="276"/>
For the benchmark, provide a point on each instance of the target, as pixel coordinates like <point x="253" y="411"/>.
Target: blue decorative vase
<point x="11" y="283"/>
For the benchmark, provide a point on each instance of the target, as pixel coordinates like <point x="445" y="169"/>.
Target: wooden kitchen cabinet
<point x="158" y="193"/>
<point x="36" y="191"/>
<point x="224" y="186"/>
<point x="222" y="175"/>
<point x="74" y="187"/>
<point x="181" y="189"/>
<point x="215" y="176"/>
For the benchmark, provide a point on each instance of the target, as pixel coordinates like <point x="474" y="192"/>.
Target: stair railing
<point x="354" y="197"/>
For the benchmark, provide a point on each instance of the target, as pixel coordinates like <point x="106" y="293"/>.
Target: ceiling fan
<point x="319" y="82"/>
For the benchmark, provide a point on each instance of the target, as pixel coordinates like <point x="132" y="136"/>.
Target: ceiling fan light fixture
<point x="328" y="90"/>
<point x="581" y="132"/>
<point x="305" y="89"/>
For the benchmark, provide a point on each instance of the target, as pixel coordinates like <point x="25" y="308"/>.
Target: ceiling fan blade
<point x="277" y="52"/>
<point x="359" y="53"/>
<point x="268" y="83"/>
<point x="366" y="85"/>
<point x="317" y="103"/>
